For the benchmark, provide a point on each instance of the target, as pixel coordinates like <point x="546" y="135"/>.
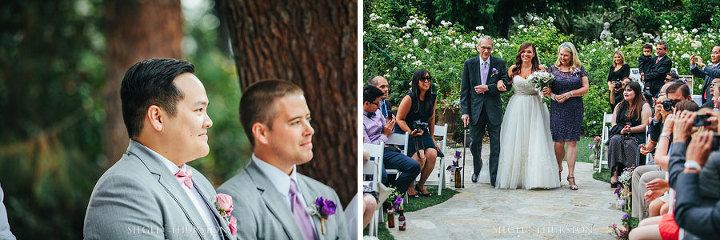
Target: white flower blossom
<point x="468" y="45"/>
<point x="551" y="19"/>
<point x="695" y="44"/>
<point x="417" y="63"/>
<point x="415" y="41"/>
<point x="427" y="51"/>
<point x="685" y="55"/>
<point x="374" y="17"/>
<point x="457" y="41"/>
<point x="445" y="23"/>
<point x="521" y="26"/>
<point x="694" y="30"/>
<point x="479" y="28"/>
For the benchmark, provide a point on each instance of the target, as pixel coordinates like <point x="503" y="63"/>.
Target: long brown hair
<point x="518" y="60"/>
<point x="635" y="107"/>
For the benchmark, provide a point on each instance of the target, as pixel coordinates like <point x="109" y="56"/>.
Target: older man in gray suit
<point x="151" y="193"/>
<point x="273" y="200"/>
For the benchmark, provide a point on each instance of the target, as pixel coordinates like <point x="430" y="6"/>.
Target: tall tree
<point x="136" y="30"/>
<point x="313" y="44"/>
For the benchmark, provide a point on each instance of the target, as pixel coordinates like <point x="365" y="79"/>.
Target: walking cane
<point x="463" y="167"/>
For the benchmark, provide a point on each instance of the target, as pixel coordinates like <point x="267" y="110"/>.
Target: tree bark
<point x="313" y="44"/>
<point x="135" y="30"/>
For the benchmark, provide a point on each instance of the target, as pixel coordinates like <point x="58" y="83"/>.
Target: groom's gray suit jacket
<point x="262" y="213"/>
<point x="139" y="198"/>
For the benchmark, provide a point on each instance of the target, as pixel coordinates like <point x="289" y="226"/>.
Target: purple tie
<point x="483" y="73"/>
<point x="301" y="216"/>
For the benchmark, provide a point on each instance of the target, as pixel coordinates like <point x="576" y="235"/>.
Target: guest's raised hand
<point x="692" y="60"/>
<point x="699" y="148"/>
<point x="657" y="184"/>
<point x="388" y="128"/>
<point x="699" y="62"/>
<point x="683" y="125"/>
<point x="669" y="123"/>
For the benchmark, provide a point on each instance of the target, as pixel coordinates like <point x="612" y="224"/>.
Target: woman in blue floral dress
<point x="566" y="107"/>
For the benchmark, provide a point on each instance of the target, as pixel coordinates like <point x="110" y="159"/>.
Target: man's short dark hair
<point x="147" y="83"/>
<point x="665" y="45"/>
<point x="647" y="46"/>
<point x="257" y="103"/>
<point x="374" y="80"/>
<point x="675" y="86"/>
<point x="370" y="93"/>
<point x="674" y="76"/>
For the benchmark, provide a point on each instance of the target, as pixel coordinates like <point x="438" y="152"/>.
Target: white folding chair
<point x="440" y="131"/>
<point x="373" y="168"/>
<point x="399" y="140"/>
<point x="607" y="121"/>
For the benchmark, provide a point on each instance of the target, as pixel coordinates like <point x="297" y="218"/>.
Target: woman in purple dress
<point x="566" y="107"/>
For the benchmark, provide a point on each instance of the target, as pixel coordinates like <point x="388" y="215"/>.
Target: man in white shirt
<point x="273" y="200"/>
<point x="151" y="193"/>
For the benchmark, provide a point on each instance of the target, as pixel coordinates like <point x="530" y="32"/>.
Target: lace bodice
<point x="523" y="87"/>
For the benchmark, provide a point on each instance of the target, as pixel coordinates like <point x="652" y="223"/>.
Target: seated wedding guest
<point x="645" y="60"/>
<point x="708" y="73"/>
<point x="385" y="107"/>
<point x="271" y="197"/>
<point x="616" y="91"/>
<point x="416" y="115"/>
<point x="376" y="129"/>
<point x="628" y="130"/>
<point x="5" y="232"/>
<point x="151" y="193"/>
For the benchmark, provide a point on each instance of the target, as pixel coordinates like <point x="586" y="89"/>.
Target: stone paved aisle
<point x="482" y="212"/>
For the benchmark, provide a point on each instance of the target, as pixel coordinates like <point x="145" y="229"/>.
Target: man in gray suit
<point x="708" y="73"/>
<point x="484" y="78"/>
<point x="151" y="193"/>
<point x="271" y="198"/>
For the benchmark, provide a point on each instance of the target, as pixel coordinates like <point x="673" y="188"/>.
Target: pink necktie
<point x="185" y="178"/>
<point x="301" y="216"/>
<point x="657" y="61"/>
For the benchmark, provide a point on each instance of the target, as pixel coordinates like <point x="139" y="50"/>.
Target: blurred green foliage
<point x="52" y="78"/>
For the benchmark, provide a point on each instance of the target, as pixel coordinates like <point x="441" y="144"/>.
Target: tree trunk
<point x="136" y="30"/>
<point x="313" y="44"/>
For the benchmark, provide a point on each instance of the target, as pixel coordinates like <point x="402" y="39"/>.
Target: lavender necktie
<point x="301" y="216"/>
<point x="483" y="73"/>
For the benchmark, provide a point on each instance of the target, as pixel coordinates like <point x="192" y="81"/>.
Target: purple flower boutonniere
<point x="576" y="71"/>
<point x="224" y="205"/>
<point x="322" y="208"/>
<point x="494" y="71"/>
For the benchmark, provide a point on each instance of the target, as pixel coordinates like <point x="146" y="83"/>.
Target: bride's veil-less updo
<point x="518" y="60"/>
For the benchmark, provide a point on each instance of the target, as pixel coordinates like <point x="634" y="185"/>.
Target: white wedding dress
<point x="527" y="157"/>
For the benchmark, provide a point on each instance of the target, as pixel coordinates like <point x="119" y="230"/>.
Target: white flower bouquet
<point x="541" y="79"/>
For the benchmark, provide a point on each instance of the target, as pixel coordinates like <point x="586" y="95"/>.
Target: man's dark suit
<point x="484" y="109"/>
<point x="655" y="76"/>
<point x="708" y="73"/>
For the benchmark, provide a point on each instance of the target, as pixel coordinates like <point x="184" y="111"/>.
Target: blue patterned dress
<point x="566" y="117"/>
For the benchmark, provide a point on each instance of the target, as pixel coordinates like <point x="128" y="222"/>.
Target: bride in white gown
<point x="527" y="158"/>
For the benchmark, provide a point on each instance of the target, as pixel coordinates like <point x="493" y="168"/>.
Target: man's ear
<point x="155" y="116"/>
<point x="260" y="133"/>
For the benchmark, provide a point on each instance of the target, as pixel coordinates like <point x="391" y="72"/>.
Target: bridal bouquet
<point x="541" y="79"/>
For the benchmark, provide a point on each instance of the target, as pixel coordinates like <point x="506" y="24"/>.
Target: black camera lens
<point x="668" y="104"/>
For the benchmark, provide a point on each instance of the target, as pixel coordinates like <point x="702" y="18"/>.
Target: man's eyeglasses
<point x="376" y="103"/>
